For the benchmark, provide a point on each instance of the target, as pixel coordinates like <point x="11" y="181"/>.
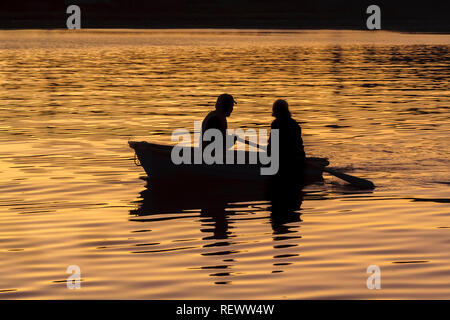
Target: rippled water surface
<point x="375" y="103"/>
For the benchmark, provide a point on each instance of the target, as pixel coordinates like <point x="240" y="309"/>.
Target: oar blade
<point x="359" y="182"/>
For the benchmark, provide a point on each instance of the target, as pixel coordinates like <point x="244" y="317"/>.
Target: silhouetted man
<point x="217" y="119"/>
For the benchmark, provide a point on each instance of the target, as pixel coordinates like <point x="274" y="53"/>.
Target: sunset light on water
<point x="375" y="104"/>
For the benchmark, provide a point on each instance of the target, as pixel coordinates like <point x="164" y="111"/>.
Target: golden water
<point x="375" y="103"/>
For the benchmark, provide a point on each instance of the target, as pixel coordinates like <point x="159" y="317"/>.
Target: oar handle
<point x="250" y="143"/>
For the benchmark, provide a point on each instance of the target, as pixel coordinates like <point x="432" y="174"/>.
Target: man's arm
<point x="215" y="123"/>
<point x="230" y="140"/>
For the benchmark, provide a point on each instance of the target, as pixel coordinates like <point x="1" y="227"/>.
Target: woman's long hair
<point x="280" y="109"/>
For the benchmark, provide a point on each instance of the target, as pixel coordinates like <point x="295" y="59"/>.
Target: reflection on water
<point x="218" y="215"/>
<point x="375" y="103"/>
<point x="217" y="219"/>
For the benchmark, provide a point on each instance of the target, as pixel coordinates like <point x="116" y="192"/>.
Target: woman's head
<point x="280" y="109"/>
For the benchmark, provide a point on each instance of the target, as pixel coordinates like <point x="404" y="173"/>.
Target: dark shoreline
<point x="224" y="28"/>
<point x="400" y="15"/>
<point x="121" y="26"/>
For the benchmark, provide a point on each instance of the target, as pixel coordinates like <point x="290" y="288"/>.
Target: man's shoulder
<point x="212" y="120"/>
<point x="212" y="115"/>
<point x="209" y="116"/>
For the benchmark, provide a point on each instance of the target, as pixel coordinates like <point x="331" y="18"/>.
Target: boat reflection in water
<point x="221" y="210"/>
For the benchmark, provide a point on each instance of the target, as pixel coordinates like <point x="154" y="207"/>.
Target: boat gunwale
<point x="142" y="146"/>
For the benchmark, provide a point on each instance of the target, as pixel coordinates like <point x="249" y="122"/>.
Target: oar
<point x="250" y="143"/>
<point x="359" y="182"/>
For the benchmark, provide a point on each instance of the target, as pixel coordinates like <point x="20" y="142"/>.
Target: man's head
<point x="280" y="109"/>
<point x="225" y="103"/>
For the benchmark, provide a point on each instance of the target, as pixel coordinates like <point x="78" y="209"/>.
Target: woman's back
<point x="290" y="139"/>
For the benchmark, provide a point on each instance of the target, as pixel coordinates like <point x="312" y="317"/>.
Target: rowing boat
<point x="157" y="163"/>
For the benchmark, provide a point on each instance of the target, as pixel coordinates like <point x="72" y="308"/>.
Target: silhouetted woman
<point x="291" y="151"/>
